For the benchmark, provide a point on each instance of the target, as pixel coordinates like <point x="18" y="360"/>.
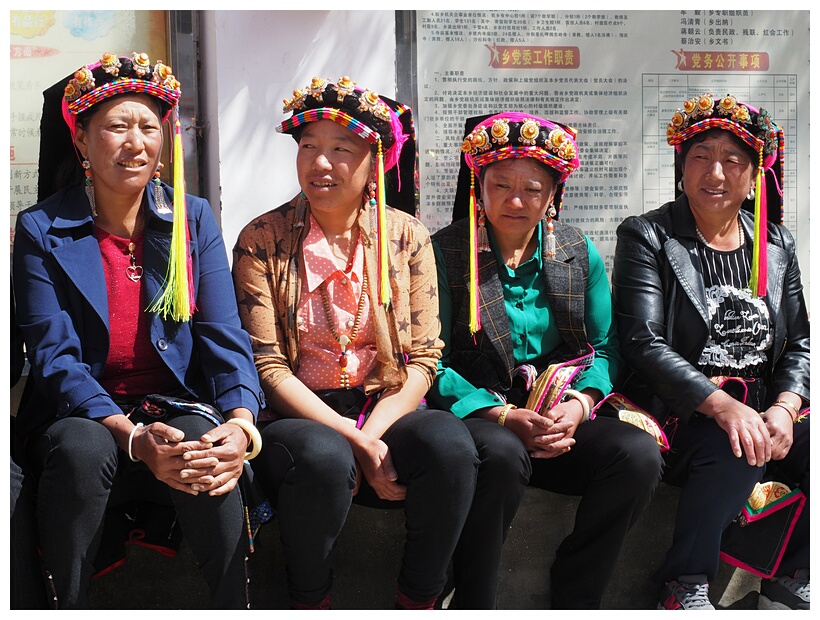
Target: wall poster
<point x="617" y="78"/>
<point x="46" y="46"/>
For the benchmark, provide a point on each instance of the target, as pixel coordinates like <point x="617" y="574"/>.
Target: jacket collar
<point x="681" y="251"/>
<point x="80" y="257"/>
<point x="76" y="208"/>
<point x="490" y="291"/>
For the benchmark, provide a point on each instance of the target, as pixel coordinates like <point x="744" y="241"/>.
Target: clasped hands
<point x="373" y="461"/>
<point x="760" y="437"/>
<point x="549" y="435"/>
<point x="211" y="464"/>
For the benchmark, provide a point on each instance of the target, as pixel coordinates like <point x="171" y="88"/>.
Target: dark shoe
<point x="785" y="592"/>
<point x="690" y="592"/>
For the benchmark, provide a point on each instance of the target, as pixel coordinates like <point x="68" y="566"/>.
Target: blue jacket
<point x="62" y="309"/>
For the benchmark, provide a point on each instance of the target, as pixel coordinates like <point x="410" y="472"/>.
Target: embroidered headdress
<point x="757" y="129"/>
<point x="115" y="75"/>
<point x="496" y="137"/>
<point x="382" y="122"/>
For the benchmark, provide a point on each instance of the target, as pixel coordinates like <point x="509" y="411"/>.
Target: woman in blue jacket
<point x="124" y="290"/>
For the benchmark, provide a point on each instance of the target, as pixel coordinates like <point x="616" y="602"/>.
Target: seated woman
<point x="703" y="292"/>
<point x="528" y="293"/>
<point x="338" y="292"/>
<point x="115" y="305"/>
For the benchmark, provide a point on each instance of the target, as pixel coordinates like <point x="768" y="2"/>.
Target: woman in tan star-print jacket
<point x="339" y="294"/>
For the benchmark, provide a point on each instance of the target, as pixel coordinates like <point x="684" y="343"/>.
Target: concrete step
<point x="368" y="555"/>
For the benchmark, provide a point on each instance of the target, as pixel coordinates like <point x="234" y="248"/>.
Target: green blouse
<point x="532" y="327"/>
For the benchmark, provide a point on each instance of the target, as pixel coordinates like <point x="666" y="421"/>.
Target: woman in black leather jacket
<point x="701" y="297"/>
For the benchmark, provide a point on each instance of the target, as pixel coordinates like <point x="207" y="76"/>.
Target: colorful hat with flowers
<point x="757" y="129"/>
<point x="115" y="75"/>
<point x="496" y="137"/>
<point x="515" y="134"/>
<point x="378" y="120"/>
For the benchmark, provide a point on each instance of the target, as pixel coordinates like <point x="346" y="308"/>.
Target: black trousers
<point x="81" y="472"/>
<point x="614" y="467"/>
<point x="27" y="589"/>
<point x="308" y="472"/>
<point x="715" y="485"/>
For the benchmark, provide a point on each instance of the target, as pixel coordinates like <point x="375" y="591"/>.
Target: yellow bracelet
<point x="790" y="407"/>
<point x="253" y="434"/>
<point x="502" y="417"/>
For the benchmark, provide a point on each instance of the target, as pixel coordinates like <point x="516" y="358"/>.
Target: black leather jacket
<point x="660" y="303"/>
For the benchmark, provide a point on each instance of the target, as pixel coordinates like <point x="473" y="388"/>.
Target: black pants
<point x="614" y="467"/>
<point x="308" y="472"/>
<point x="27" y="590"/>
<point x="82" y="472"/>
<point x="715" y="486"/>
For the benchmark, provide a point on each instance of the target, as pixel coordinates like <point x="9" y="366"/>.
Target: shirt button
<point x="300" y="320"/>
<point x="64" y="407"/>
<point x="522" y="337"/>
<point x="161" y="344"/>
<point x="519" y="305"/>
<point x="344" y="280"/>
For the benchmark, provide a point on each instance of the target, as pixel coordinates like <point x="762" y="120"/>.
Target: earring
<point x="159" y="195"/>
<point x="301" y="211"/>
<point x="751" y="194"/>
<point x="483" y="239"/>
<point x="551" y="213"/>
<point x="89" y="186"/>
<point x="371" y="192"/>
<point x="680" y="185"/>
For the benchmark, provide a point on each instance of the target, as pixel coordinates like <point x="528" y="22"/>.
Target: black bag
<point x="756" y="540"/>
<point x="350" y="403"/>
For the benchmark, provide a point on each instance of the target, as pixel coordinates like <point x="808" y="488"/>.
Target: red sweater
<point x="133" y="367"/>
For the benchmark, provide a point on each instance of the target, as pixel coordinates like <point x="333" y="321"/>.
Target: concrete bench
<point x="369" y="552"/>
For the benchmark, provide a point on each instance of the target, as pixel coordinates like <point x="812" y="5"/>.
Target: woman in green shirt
<point x="520" y="291"/>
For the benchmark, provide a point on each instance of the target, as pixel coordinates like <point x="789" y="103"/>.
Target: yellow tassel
<point x="474" y="320"/>
<point x="175" y="301"/>
<point x="384" y="267"/>
<point x="755" y="279"/>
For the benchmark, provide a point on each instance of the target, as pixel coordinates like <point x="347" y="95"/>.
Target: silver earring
<point x="482" y="240"/>
<point x="680" y="185"/>
<point x="89" y="186"/>
<point x="751" y="194"/>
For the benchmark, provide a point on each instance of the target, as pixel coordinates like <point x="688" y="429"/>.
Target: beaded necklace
<point x="740" y="236"/>
<point x="344" y="340"/>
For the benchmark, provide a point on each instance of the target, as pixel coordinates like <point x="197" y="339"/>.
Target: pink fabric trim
<point x="735" y="562"/>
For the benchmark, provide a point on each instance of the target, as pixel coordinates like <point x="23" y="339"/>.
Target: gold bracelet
<point x="790" y="407"/>
<point x="253" y="434"/>
<point x="502" y="417"/>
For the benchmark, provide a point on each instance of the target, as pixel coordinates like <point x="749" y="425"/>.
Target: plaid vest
<point x="486" y="360"/>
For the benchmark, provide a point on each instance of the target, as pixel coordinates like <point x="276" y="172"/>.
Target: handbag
<point x="549" y="386"/>
<point x="756" y="540"/>
<point x="627" y="411"/>
<point x="350" y="403"/>
<point x="161" y="408"/>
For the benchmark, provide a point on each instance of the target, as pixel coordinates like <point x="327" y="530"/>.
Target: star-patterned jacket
<point x="268" y="281"/>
